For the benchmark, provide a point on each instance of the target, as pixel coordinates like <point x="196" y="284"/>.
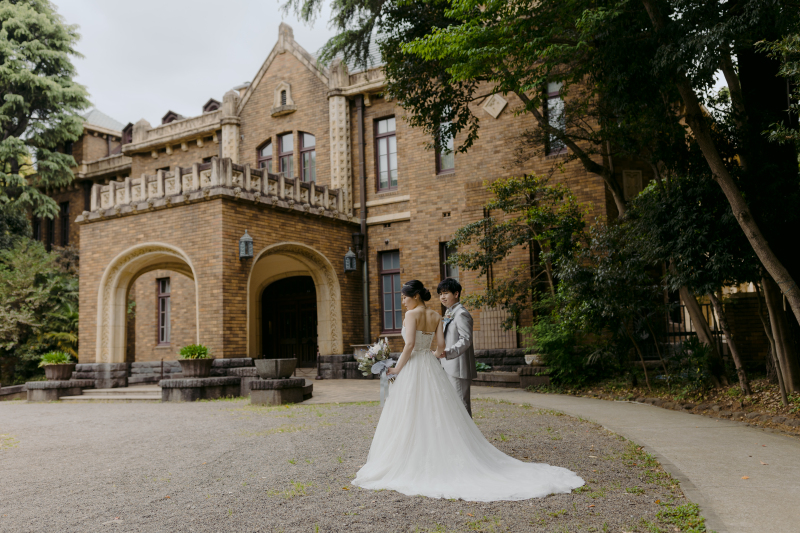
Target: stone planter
<point x="59" y="372"/>
<point x="196" y="368"/>
<point x="275" y="368"/>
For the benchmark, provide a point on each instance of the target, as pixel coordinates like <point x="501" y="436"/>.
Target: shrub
<point x="55" y="358"/>
<point x="194" y="351"/>
<point x="482" y="367"/>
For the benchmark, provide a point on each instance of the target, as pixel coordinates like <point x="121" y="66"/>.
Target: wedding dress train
<point x="427" y="444"/>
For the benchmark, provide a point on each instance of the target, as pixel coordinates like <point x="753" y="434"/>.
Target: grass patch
<point x="488" y="524"/>
<point x="8" y="442"/>
<point x="686" y="517"/>
<point x="296" y="488"/>
<point x="634" y="490"/>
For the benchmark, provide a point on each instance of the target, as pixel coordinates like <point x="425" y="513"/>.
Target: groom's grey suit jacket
<point x="459" y="358"/>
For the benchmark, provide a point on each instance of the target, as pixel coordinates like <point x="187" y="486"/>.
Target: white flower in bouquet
<point x="376" y="353"/>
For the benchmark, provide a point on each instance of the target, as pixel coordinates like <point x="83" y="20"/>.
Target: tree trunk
<point x="737" y="360"/>
<point x="704" y="335"/>
<point x="701" y="131"/>
<point x="641" y="358"/>
<point x="772" y="349"/>
<point x="784" y="348"/>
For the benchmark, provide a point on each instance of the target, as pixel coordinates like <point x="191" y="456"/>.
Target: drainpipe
<point x="363" y="215"/>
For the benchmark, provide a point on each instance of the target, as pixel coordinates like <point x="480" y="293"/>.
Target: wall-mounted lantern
<point x="245" y="247"/>
<point x="350" y="264"/>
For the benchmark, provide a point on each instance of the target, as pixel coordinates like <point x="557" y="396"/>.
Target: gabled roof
<point x="171" y="116"/>
<point x="211" y="105"/>
<point x="95" y="117"/>
<point x="285" y="44"/>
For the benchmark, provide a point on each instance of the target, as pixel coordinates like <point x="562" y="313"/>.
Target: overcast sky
<point x="144" y="58"/>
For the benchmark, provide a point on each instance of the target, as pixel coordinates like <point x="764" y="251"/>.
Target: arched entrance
<point x="287" y="260"/>
<point x="112" y="297"/>
<point x="289" y="320"/>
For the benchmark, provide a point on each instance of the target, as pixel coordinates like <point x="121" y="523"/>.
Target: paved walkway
<point x="709" y="456"/>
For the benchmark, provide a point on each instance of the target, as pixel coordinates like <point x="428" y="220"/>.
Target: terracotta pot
<point x="61" y="372"/>
<point x="196" y="368"/>
<point x="275" y="368"/>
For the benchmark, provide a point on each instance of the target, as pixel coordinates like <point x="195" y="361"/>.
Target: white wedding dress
<point x="427" y="444"/>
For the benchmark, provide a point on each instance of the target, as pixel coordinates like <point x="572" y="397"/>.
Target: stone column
<point x="339" y="111"/>
<point x="230" y="126"/>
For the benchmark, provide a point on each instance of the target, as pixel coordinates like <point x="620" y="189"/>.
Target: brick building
<point x="158" y="213"/>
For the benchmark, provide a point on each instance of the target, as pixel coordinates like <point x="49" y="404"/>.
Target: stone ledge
<point x="198" y="382"/>
<point x="244" y="372"/>
<point x="233" y="362"/>
<point x="277" y="384"/>
<point x="532" y="370"/>
<point x="336" y="359"/>
<point x="67" y="384"/>
<point x="101" y="367"/>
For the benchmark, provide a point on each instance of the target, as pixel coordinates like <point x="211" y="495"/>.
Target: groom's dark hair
<point x="449" y="285"/>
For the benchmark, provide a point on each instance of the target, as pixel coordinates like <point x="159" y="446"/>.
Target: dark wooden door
<point x="289" y="327"/>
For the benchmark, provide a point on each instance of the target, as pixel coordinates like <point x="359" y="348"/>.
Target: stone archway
<point x="296" y="259"/>
<point x="117" y="279"/>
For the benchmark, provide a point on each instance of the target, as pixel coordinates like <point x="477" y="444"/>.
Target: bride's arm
<point x="439" y="340"/>
<point x="411" y="330"/>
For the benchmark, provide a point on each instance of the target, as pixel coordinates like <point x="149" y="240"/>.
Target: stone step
<point x="497" y="379"/>
<point x="150" y="393"/>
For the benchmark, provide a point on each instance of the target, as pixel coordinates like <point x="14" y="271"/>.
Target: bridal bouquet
<point x="376" y="359"/>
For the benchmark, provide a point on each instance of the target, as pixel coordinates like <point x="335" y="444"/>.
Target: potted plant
<point x="58" y="366"/>
<point x="195" y="361"/>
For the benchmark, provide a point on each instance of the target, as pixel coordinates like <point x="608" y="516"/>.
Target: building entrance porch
<point x="289" y="320"/>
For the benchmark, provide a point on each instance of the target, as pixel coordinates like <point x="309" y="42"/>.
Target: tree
<point x="532" y="216"/>
<point x="38" y="303"/>
<point x="14" y="225"/>
<point x="666" y="51"/>
<point x="40" y="105"/>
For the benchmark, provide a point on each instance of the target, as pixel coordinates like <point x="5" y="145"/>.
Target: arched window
<point x="286" y="154"/>
<point x="308" y="157"/>
<point x="264" y="156"/>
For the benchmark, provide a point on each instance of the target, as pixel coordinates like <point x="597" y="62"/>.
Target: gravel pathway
<point x="230" y="466"/>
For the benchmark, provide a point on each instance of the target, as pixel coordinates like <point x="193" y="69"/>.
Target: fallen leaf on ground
<point x="745" y="477"/>
<point x="591" y="506"/>
<point x="166" y="497"/>
<point x="345" y="488"/>
<point x="470" y="514"/>
<point x="763" y="463"/>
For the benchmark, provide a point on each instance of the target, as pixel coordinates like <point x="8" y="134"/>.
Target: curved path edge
<point x="708" y="456"/>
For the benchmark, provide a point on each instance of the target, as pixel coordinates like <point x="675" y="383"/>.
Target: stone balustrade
<point x="115" y="164"/>
<point x="202" y="181"/>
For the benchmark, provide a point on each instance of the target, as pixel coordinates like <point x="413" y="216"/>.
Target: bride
<point x="427" y="444"/>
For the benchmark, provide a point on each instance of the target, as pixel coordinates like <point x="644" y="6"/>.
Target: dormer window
<point x="127" y="134"/>
<point x="211" y="105"/>
<point x="171" y="116"/>
<point x="282" y="103"/>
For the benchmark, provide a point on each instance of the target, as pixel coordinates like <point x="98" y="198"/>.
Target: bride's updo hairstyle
<point x="415" y="287"/>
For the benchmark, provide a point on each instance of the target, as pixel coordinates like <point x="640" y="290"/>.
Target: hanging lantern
<point x="245" y="246"/>
<point x="350" y="264"/>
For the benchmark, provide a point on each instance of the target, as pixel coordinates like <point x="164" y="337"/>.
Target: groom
<point x="458" y="357"/>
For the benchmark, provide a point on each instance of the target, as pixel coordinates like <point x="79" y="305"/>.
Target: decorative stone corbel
<point x="185" y="146"/>
<point x="154" y="154"/>
<point x="169" y="149"/>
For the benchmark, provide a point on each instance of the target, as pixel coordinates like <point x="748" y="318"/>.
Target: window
<point x="554" y="113"/>
<point x="445" y="252"/>
<point x="308" y="157"/>
<point x="68" y="147"/>
<point x="386" y="140"/>
<point x="63" y="221"/>
<point x="283" y="97"/>
<point x="445" y="157"/>
<point x="51" y="233"/>
<point x="37" y="229"/>
<point x="286" y="154"/>
<point x="163" y="289"/>
<point x="264" y="156"/>
<point x="389" y="263"/>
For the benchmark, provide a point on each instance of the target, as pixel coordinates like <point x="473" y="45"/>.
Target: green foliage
<point x="686" y="517"/>
<point x="38" y="306"/>
<point x="530" y="214"/>
<point x="482" y="367"/>
<point x="40" y="104"/>
<point x="194" y="351"/>
<point x="14" y="225"/>
<point x="691" y="367"/>
<point x="787" y="50"/>
<point x="55" y="358"/>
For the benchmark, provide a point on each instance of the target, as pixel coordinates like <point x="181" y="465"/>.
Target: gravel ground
<point x="230" y="466"/>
